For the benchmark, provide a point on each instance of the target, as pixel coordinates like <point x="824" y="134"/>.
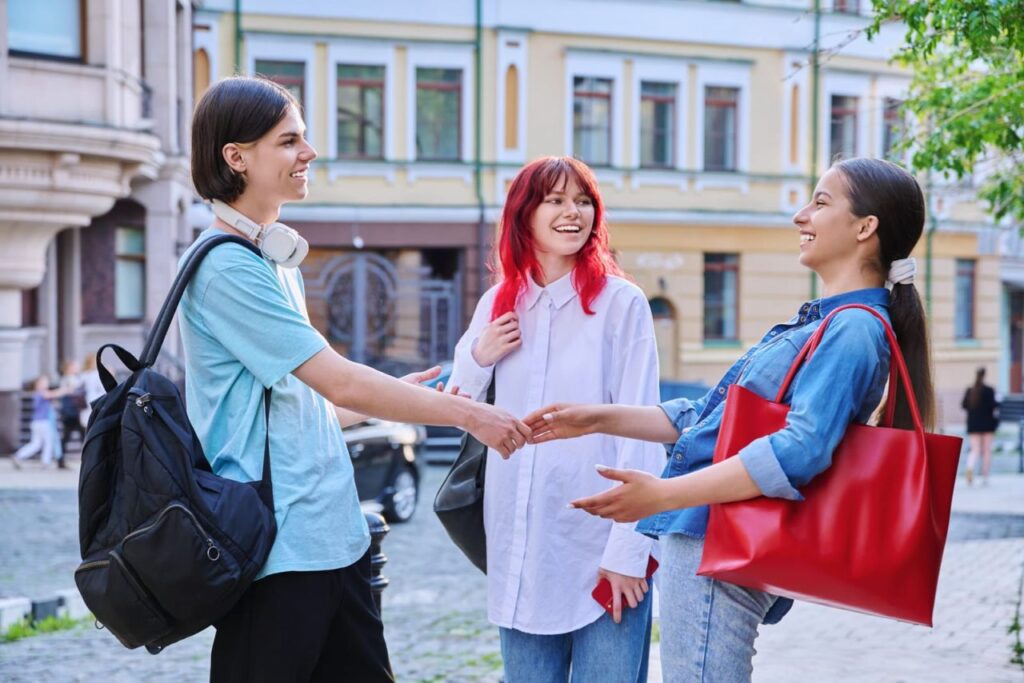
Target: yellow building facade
<point x="704" y="121"/>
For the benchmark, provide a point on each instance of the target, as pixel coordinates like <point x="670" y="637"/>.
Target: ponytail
<point x="908" y="322"/>
<point x="882" y="189"/>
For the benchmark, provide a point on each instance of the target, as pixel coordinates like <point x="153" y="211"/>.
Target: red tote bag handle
<point x="897" y="368"/>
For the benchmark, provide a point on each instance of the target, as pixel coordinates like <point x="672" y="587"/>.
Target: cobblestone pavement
<point x="437" y="630"/>
<point x="433" y="610"/>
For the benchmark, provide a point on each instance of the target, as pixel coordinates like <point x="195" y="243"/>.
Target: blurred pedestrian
<point x="43" y="436"/>
<point x="92" y="385"/>
<point x="71" y="403"/>
<point x="982" y="408"/>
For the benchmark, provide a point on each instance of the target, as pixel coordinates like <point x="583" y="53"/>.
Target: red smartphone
<point x="603" y="591"/>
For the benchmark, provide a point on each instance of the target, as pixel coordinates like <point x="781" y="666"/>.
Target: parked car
<point x="385" y="456"/>
<point x="670" y="389"/>
<point x="446" y="438"/>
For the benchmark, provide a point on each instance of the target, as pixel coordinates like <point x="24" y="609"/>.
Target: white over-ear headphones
<point x="279" y="243"/>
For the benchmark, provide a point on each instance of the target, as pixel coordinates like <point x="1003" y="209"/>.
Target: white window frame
<point x="674" y="71"/>
<point x="440" y="57"/>
<point x="848" y="85"/>
<point x="286" y="49"/>
<point x="512" y="56"/>
<point x="726" y="76"/>
<point x="359" y="53"/>
<point x="580" y="65"/>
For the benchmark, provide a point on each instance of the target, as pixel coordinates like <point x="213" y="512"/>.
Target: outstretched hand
<point x="559" y="421"/>
<point x="639" y="495"/>
<point x="422" y="376"/>
<point x="497" y="429"/>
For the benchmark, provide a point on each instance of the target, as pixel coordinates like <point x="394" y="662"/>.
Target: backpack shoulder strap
<point x="163" y="320"/>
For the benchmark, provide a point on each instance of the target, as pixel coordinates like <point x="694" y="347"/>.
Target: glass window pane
<point x="963" y="318"/>
<point x="592" y="120"/>
<point x="130" y="242"/>
<point x="290" y="75"/>
<point x="657" y="121"/>
<point x="360" y="111"/>
<point x="720" y="128"/>
<point x="892" y="127"/>
<point x="129" y="288"/>
<point x="438" y="124"/>
<point x="843" y="143"/>
<point x="360" y="72"/>
<point x="720" y="296"/>
<point x="56" y="31"/>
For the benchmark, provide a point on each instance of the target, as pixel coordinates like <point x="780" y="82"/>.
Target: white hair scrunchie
<point x="902" y="271"/>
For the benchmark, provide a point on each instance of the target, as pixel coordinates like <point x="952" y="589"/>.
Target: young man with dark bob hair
<point x="310" y="614"/>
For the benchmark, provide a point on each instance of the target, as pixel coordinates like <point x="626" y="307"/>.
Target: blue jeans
<point x="600" y="652"/>
<point x="708" y="627"/>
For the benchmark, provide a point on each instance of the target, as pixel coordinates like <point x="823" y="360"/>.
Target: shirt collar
<point x="820" y="308"/>
<point x="561" y="291"/>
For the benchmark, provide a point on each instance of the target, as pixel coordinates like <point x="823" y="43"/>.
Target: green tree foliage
<point x="967" y="93"/>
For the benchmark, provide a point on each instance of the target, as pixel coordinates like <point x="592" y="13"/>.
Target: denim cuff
<point x="764" y="468"/>
<point x="680" y="413"/>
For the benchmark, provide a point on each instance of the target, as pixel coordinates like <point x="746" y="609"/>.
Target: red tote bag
<point x="871" y="529"/>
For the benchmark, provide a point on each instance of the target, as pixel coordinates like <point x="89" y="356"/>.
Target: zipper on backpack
<point x="143" y="402"/>
<point x="92" y="565"/>
<point x="212" y="551"/>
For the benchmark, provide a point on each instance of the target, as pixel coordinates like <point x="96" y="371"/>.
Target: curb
<point x="63" y="603"/>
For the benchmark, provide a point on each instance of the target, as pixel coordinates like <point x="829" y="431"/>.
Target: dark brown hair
<point x="974" y="393"/>
<point x="236" y="109"/>
<point x="889" y="193"/>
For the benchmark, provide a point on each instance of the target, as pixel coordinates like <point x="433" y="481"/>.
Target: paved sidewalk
<point x="977" y="598"/>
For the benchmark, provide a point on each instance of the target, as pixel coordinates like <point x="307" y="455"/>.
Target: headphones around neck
<point x="279" y="243"/>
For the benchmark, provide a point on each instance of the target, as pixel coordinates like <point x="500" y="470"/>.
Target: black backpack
<point x="168" y="547"/>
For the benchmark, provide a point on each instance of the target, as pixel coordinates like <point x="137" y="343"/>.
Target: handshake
<point x="498" y="429"/>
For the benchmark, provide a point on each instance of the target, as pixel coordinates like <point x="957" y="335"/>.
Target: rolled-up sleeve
<point x="682" y="412"/>
<point x="845" y="374"/>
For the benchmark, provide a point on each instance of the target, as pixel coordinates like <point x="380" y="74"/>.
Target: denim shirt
<point x="841" y="383"/>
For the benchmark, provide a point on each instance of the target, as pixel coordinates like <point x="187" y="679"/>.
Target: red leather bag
<point x="871" y="529"/>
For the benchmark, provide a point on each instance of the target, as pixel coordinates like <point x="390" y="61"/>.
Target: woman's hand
<point x="421" y="376"/>
<point x="561" y="421"/>
<point x="640" y="495"/>
<point x="632" y="588"/>
<point x="500" y="338"/>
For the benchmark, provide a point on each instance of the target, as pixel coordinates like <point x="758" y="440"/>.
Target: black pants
<point x="71" y="424"/>
<point x="304" y="626"/>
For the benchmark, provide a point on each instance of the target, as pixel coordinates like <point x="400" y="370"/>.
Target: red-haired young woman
<point x="562" y="324"/>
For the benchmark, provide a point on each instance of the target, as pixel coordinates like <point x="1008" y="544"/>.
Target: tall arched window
<point x="664" y="314"/>
<point x="512" y="107"/>
<point x="200" y="73"/>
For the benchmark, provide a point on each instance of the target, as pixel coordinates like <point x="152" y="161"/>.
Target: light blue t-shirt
<point x="244" y="327"/>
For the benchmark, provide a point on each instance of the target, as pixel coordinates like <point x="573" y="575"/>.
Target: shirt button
<point x="721" y="390"/>
<point x="803" y="318"/>
<point x="774" y="333"/>
<point x="679" y="456"/>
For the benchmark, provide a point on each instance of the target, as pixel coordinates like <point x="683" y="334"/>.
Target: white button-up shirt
<point x="543" y="558"/>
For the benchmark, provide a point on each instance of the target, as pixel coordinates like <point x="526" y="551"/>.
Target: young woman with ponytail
<point x="857" y="234"/>
<point x="982" y="408"/>
<point x="561" y="324"/>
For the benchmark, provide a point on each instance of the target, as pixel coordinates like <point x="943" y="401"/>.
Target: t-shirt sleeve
<point x="245" y="309"/>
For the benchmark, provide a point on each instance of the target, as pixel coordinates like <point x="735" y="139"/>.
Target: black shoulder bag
<point x="459" y="503"/>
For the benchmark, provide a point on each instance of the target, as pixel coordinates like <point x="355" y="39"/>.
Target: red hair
<point x="513" y="252"/>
